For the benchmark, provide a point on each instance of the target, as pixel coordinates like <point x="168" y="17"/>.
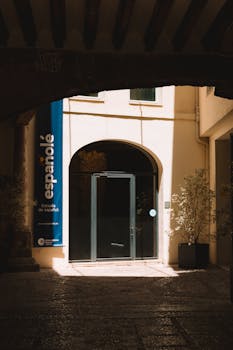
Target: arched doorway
<point x="112" y="203"/>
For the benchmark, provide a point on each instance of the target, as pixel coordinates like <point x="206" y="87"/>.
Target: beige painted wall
<point x="213" y="110"/>
<point x="216" y="122"/>
<point x="49" y="256"/>
<point x="166" y="130"/>
<point x="189" y="152"/>
<point x="185" y="101"/>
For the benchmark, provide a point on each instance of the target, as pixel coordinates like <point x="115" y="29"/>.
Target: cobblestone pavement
<point x="148" y="307"/>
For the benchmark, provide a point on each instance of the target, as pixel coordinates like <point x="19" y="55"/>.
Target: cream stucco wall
<point x="189" y="151"/>
<point x="81" y="128"/>
<point x="166" y="130"/>
<point x="216" y="123"/>
<point x="214" y="111"/>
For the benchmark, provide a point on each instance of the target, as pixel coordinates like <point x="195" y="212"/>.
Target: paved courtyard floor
<point x="106" y="306"/>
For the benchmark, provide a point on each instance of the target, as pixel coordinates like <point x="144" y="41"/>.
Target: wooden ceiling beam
<point x="29" y="86"/>
<point x="58" y="22"/>
<point x="25" y="16"/>
<point x="123" y="16"/>
<point x="157" y="22"/>
<point x="224" y="20"/>
<point x="91" y="22"/>
<point x="188" y="23"/>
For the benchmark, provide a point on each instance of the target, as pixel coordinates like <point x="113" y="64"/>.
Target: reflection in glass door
<point x="113" y="216"/>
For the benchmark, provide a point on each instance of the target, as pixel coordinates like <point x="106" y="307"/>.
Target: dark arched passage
<point x="113" y="203"/>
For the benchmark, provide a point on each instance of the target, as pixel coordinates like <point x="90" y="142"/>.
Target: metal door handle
<point x="132" y="230"/>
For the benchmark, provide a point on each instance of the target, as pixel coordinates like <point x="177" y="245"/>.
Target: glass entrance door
<point x="113" y="216"/>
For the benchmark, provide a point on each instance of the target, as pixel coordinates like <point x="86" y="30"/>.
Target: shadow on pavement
<point x="174" y="310"/>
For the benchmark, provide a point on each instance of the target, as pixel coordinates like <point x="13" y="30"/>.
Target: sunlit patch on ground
<point x="137" y="268"/>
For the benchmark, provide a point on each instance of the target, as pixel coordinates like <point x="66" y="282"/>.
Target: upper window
<point x="148" y="94"/>
<point x="92" y="94"/>
<point x="91" y="97"/>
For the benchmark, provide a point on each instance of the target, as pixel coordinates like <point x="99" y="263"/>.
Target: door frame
<point x="132" y="212"/>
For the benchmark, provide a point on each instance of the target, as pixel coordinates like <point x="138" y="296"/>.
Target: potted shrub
<point x="191" y="217"/>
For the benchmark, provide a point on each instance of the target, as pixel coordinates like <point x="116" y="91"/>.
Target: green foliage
<point x="191" y="207"/>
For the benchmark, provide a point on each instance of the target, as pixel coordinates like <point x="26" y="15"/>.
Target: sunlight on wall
<point x="113" y="117"/>
<point x="167" y="131"/>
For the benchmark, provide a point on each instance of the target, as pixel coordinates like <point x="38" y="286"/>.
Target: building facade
<point x="125" y="152"/>
<point x="216" y="125"/>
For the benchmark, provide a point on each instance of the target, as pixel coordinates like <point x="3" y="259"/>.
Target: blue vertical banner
<point x="48" y="176"/>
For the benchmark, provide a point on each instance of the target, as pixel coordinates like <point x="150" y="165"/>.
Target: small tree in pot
<point x="191" y="217"/>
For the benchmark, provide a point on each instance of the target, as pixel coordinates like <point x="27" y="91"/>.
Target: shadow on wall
<point x="188" y="153"/>
<point x="223" y="202"/>
<point x="6" y="148"/>
<point x="48" y="256"/>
